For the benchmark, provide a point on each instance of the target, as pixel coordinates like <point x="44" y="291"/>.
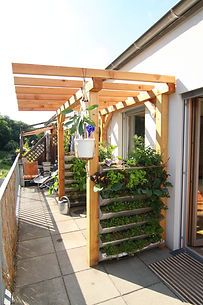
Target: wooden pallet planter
<point x="115" y="235"/>
<point x="104" y="256"/>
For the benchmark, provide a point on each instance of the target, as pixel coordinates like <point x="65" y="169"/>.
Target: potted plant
<point x="82" y="127"/>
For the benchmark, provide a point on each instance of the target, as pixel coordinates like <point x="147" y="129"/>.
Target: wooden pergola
<point x="55" y="88"/>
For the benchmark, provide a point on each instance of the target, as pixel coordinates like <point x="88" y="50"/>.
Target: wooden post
<point x="92" y="197"/>
<point x="61" y="166"/>
<point x="162" y="141"/>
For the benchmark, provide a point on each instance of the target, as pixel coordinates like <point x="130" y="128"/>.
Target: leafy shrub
<point x="106" y="151"/>
<point x="79" y="174"/>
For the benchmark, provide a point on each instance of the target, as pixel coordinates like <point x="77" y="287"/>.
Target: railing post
<point x="162" y="141"/>
<point x="61" y="166"/>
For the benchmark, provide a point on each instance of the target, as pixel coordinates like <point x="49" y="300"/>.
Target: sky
<point x="75" y="33"/>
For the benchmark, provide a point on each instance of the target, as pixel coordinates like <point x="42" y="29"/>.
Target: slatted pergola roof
<point x="53" y="88"/>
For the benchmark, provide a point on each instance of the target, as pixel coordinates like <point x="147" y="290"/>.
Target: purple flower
<point x="90" y="129"/>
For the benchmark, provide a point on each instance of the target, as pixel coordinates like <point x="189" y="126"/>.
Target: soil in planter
<point x="130" y="246"/>
<point x="148" y="229"/>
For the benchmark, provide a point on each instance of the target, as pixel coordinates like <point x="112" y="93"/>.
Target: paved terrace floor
<point x="52" y="268"/>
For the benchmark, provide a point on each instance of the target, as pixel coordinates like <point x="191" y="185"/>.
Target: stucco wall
<point x="179" y="53"/>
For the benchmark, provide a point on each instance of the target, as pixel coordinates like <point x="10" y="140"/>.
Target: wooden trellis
<point x="45" y="88"/>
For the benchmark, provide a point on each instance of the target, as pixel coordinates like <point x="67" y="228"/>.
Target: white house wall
<point x="179" y="53"/>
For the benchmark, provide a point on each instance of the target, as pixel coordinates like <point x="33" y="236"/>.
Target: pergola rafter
<point x="41" y="88"/>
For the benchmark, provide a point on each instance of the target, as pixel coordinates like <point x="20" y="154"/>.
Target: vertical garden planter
<point x="125" y="226"/>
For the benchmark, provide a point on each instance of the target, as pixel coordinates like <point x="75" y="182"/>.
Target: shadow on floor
<point x="52" y="263"/>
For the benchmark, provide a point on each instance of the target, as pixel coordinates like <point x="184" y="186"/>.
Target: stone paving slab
<point x="130" y="274"/>
<point x="36" y="269"/>
<point x="51" y="292"/>
<point x="154" y="295"/>
<point x="90" y="287"/>
<point x="115" y="301"/>
<point x="29" y="231"/>
<point x="35" y="247"/>
<point x="73" y="260"/>
<point x="64" y="227"/>
<point x="69" y="240"/>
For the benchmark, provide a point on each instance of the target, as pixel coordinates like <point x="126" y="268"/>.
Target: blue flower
<point x="90" y="129"/>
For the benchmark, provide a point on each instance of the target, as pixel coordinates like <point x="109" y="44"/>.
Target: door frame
<point x="186" y="220"/>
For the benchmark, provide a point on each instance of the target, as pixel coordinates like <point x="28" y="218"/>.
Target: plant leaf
<point x="92" y="107"/>
<point x="89" y="121"/>
<point x="66" y="111"/>
<point x="81" y="128"/>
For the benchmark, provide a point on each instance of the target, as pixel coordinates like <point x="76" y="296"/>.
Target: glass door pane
<point x="199" y="195"/>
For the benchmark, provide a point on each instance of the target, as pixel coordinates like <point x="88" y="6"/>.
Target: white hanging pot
<point x="84" y="148"/>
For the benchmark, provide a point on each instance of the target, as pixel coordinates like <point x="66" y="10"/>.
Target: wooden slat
<point x="47" y="82"/>
<point x="73" y="101"/>
<point x="36" y="131"/>
<point x="43" y="90"/>
<point x="43" y="97"/>
<point x="119" y="93"/>
<point x="111" y="99"/>
<point x="61" y="166"/>
<point x="38" y="108"/>
<point x="125" y="86"/>
<point x="93" y="197"/>
<point x="32" y="69"/>
<point x="142" y="97"/>
<point x="162" y="140"/>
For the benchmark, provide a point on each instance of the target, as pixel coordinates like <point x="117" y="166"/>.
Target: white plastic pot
<point x="84" y="148"/>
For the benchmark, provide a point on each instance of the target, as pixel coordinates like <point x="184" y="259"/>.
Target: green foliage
<point x="5" y="163"/>
<point x="136" y="177"/>
<point x="53" y="188"/>
<point x="143" y="156"/>
<point x="80" y="120"/>
<point x="147" y="229"/>
<point x="66" y="140"/>
<point x="106" y="151"/>
<point x="10" y="130"/>
<point x="79" y="174"/>
<point x="123" y="220"/>
<point x="130" y="246"/>
<point x="119" y="206"/>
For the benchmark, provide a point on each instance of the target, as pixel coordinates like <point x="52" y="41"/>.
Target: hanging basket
<point x="84" y="148"/>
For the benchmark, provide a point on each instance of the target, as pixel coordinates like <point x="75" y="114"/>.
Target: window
<point x="133" y="124"/>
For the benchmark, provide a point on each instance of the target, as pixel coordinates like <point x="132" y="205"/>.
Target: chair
<point x="30" y="170"/>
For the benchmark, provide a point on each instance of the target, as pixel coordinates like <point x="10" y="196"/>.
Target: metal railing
<point x="9" y="196"/>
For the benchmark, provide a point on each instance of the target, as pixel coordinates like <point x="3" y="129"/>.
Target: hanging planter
<point x="84" y="148"/>
<point x="82" y="127"/>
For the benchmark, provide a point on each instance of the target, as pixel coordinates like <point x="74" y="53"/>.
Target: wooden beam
<point x="93" y="197"/>
<point x="125" y="86"/>
<point x="43" y="90"/>
<point x="43" y="97"/>
<point x="61" y="166"/>
<point x="119" y="93"/>
<point x="47" y="82"/>
<point x="37" y="108"/>
<point x="141" y="98"/>
<point x="36" y="131"/>
<point x="31" y="69"/>
<point x="104" y="99"/>
<point x="162" y="141"/>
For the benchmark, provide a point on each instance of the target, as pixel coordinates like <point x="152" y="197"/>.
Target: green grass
<point x="5" y="163"/>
